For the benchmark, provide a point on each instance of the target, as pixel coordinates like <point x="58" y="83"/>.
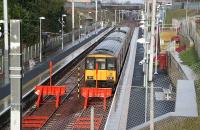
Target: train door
<point x="100" y="69"/>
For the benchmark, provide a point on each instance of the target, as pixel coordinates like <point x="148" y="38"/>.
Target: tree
<point x="29" y="12"/>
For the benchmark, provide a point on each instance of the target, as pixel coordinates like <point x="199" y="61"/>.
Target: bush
<point x="189" y="57"/>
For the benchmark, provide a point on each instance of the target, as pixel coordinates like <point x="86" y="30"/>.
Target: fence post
<point x="38" y="48"/>
<point x="23" y="56"/>
<point x="28" y="53"/>
<point x="92" y="119"/>
<point x="35" y="55"/>
<point x="31" y="52"/>
<point x="1" y="72"/>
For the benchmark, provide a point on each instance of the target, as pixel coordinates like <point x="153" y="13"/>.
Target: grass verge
<point x="189" y="57"/>
<point x="178" y="14"/>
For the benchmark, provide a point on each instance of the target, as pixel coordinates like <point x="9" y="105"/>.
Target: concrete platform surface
<point x="186" y="104"/>
<point x="117" y="118"/>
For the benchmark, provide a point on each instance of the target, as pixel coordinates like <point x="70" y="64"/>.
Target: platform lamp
<point x="105" y="13"/>
<point x="91" y="16"/>
<point x="41" y="18"/>
<point x="157" y="31"/>
<point x="63" y="15"/>
<point x="79" y="25"/>
<point x="90" y="13"/>
<point x="96" y="16"/>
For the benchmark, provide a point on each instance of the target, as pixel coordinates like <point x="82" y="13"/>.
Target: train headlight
<point x="110" y="78"/>
<point x="89" y="77"/>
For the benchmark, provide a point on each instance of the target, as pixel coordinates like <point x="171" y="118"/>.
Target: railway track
<point x="70" y="114"/>
<point x="29" y="100"/>
<point x="48" y="109"/>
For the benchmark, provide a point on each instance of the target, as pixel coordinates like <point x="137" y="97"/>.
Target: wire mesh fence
<point x="165" y="92"/>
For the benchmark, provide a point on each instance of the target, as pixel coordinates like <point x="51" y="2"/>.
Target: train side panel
<point x="115" y="46"/>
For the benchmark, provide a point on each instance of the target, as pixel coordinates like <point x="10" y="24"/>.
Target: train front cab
<point x="101" y="69"/>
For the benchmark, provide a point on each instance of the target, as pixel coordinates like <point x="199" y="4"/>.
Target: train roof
<point x="118" y="36"/>
<point x="122" y="29"/>
<point x="112" y="44"/>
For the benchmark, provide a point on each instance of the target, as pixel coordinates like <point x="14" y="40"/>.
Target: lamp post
<point x="151" y="65"/>
<point x="119" y="16"/>
<point x="101" y="18"/>
<point x="63" y="15"/>
<point x="106" y="15"/>
<point x="115" y="17"/>
<point x="73" y="21"/>
<point x="5" y="17"/>
<point x="96" y="17"/>
<point x="2" y="61"/>
<point x="79" y="25"/>
<point x="157" y="31"/>
<point x="186" y="13"/>
<point x="41" y="18"/>
<point x="92" y="23"/>
<point x="122" y="15"/>
<point x="146" y="56"/>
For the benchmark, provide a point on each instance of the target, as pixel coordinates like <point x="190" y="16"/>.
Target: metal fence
<point x="33" y="51"/>
<point x="53" y="43"/>
<point x="189" y="30"/>
<point x="184" y="5"/>
<point x="1" y="64"/>
<point x="175" y="72"/>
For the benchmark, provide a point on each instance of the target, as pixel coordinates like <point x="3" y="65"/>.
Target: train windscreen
<point x="90" y="63"/>
<point x="101" y="63"/>
<point x="111" y="64"/>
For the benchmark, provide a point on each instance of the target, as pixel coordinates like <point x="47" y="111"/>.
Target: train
<point x="103" y="65"/>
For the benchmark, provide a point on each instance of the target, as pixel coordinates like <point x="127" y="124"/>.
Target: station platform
<point x="128" y="106"/>
<point x="117" y="117"/>
<point x="129" y="110"/>
<point x="40" y="73"/>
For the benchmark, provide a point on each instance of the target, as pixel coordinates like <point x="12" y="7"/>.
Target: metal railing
<point x="32" y="52"/>
<point x="184" y="5"/>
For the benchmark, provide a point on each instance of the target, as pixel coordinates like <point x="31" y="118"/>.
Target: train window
<point x="101" y="63"/>
<point x="90" y="64"/>
<point x="110" y="64"/>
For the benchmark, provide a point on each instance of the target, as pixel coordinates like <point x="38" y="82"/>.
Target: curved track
<point x="70" y="114"/>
